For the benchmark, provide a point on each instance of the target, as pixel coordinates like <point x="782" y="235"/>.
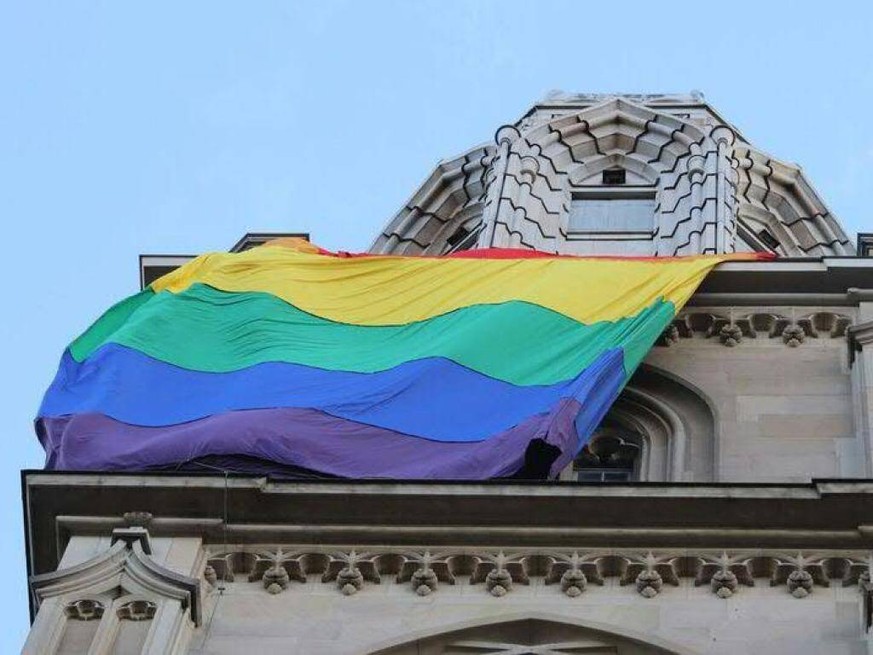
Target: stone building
<point x="725" y="505"/>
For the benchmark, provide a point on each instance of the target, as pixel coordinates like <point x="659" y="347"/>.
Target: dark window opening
<point x="768" y="239"/>
<point x="604" y="475"/>
<point x="616" y="176"/>
<point x="463" y="239"/>
<point x="460" y="234"/>
<point x="608" y="457"/>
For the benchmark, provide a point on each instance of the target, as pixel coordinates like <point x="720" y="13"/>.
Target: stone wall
<point x="780" y="394"/>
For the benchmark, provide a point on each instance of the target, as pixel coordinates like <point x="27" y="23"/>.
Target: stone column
<point x="503" y="138"/>
<point x="725" y="228"/>
<point x="860" y="338"/>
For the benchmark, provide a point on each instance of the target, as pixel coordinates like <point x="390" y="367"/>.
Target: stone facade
<point x="712" y="190"/>
<point x="740" y="516"/>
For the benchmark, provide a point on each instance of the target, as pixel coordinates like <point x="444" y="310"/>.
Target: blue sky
<point x="130" y="128"/>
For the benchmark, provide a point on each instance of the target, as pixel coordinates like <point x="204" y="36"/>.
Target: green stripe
<point x="205" y="329"/>
<point x="112" y="319"/>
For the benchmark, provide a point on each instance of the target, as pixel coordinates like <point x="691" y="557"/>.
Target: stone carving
<point x="499" y="572"/>
<point x="137" y="610"/>
<point x="724" y="574"/>
<point x="793" y="336"/>
<point x="800" y="583"/>
<point x="498" y="580"/>
<point x="223" y="566"/>
<point x="731" y="329"/>
<point x="84" y="610"/>
<point x="125" y="568"/>
<point x="425" y="571"/>
<point x="424" y="580"/>
<point x="348" y="576"/>
<point x="137" y="519"/>
<point x="799" y="573"/>
<point x="649" y="581"/>
<point x="648" y="573"/>
<point x="573" y="580"/>
<point x="669" y="336"/>
<point x="274" y="577"/>
<point x="730" y="335"/>
<point x="724" y="583"/>
<point x="573" y="571"/>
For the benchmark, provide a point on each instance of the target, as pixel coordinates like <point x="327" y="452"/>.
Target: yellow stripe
<point x="397" y="290"/>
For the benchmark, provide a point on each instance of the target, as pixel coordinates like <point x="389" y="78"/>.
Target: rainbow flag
<point x="480" y="365"/>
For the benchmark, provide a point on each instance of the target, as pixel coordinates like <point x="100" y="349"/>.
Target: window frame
<point x="622" y="192"/>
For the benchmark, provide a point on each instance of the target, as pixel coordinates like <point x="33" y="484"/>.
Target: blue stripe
<point x="433" y="398"/>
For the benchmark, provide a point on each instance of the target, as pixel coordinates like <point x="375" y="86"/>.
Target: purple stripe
<point x="299" y="437"/>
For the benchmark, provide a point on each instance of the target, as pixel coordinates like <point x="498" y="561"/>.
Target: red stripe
<point x="521" y="253"/>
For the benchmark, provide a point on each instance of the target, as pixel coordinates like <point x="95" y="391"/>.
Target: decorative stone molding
<point x="137" y="610"/>
<point x="126" y="565"/>
<point x="731" y="329"/>
<point x="572" y="571"/>
<point x="730" y="334"/>
<point x="137" y="519"/>
<point x="572" y="579"/>
<point x="122" y="583"/>
<point x="423" y="578"/>
<point x="646" y="573"/>
<point x="724" y="574"/>
<point x="84" y="610"/>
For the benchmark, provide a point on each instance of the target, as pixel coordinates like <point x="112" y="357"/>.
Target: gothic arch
<point x="532" y="631"/>
<point x="674" y="423"/>
<point x="593" y="166"/>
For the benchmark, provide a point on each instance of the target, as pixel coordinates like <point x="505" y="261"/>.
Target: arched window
<point x="612" y="455"/>
<point x="659" y="429"/>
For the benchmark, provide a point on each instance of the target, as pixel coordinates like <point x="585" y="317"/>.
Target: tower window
<point x="614" y="176"/>
<point x="768" y="239"/>
<point x="618" y="211"/>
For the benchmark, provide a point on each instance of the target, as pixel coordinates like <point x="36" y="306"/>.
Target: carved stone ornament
<point x="800" y="583"/>
<point x="349" y="579"/>
<point x="424" y="581"/>
<point x="84" y="610"/>
<point x="574" y="572"/>
<point x="498" y="582"/>
<point x="573" y="580"/>
<point x="649" y="583"/>
<point x="730" y="335"/>
<point x="124" y="567"/>
<point x="724" y="583"/>
<point x="137" y="519"/>
<point x="793" y="336"/>
<point x="137" y="610"/>
<point x="276" y="579"/>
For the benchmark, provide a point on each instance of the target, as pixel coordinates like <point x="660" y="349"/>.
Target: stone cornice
<point x="834" y="280"/>
<point x="499" y="571"/>
<point x="819" y="514"/>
